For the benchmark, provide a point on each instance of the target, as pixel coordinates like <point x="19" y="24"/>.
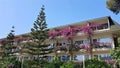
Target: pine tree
<point x="8" y="44"/>
<point x="9" y="49"/>
<point x="39" y="33"/>
<point x="113" y="5"/>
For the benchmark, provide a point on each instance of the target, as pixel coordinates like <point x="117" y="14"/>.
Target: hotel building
<point x="104" y="39"/>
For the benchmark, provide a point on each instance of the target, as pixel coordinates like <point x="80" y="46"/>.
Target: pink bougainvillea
<point x="53" y="34"/>
<point x="89" y="29"/>
<point x="1" y="40"/>
<point x="83" y="46"/>
<point x="110" y="61"/>
<point x="69" y="32"/>
<point x="87" y="47"/>
<point x="62" y="47"/>
<point x="102" y="43"/>
<point x="17" y="39"/>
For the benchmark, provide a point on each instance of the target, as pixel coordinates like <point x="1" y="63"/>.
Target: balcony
<point x="97" y="48"/>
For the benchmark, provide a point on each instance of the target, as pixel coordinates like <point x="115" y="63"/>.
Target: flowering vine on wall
<point x="53" y="34"/>
<point x="89" y="29"/>
<point x="69" y="32"/>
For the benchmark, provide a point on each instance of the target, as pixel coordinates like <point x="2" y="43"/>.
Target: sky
<point x="23" y="13"/>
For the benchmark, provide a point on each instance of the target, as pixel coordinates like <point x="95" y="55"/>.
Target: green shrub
<point x="56" y="63"/>
<point x="95" y="63"/>
<point x="69" y="64"/>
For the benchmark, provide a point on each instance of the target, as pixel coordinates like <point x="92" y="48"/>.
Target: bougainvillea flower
<point x="53" y="33"/>
<point x="89" y="29"/>
<point x="110" y="61"/>
<point x="1" y="40"/>
<point x="87" y="47"/>
<point x="69" y="32"/>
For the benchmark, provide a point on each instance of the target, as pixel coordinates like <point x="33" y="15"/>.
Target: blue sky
<point x="23" y="13"/>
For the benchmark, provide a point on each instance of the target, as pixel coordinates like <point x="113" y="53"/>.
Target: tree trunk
<point x="55" y="48"/>
<point x="91" y="46"/>
<point x="115" y="41"/>
<point x="71" y="50"/>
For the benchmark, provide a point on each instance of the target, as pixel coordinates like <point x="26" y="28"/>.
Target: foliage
<point x="89" y="31"/>
<point x="115" y="54"/>
<point x="17" y="64"/>
<point x="56" y="63"/>
<point x="110" y="61"/>
<point x="8" y="56"/>
<point x="3" y="64"/>
<point x="119" y="41"/>
<point x="34" y="63"/>
<point x="7" y="44"/>
<point x="89" y="28"/>
<point x="30" y="64"/>
<point x="38" y="35"/>
<point x="113" y="5"/>
<point x="96" y="63"/>
<point x="10" y="62"/>
<point x="53" y="34"/>
<point x="69" y="32"/>
<point x="69" y="64"/>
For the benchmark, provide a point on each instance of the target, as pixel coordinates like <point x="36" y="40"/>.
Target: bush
<point x="35" y="63"/>
<point x="56" y="63"/>
<point x="95" y="63"/>
<point x="70" y="64"/>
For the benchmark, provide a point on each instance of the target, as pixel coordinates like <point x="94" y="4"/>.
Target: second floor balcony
<point x="97" y="47"/>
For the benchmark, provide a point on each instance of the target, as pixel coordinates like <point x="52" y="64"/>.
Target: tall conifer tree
<point x="8" y="44"/>
<point x="9" y="49"/>
<point x="39" y="33"/>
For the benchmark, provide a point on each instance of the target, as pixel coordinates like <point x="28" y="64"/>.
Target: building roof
<point x="94" y="21"/>
<point x="114" y="25"/>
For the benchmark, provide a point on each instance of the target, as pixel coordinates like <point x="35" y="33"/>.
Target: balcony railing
<point x="95" y="46"/>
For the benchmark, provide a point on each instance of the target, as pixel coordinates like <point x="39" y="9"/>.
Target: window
<point x="78" y="42"/>
<point x="105" y="56"/>
<point x="105" y="42"/>
<point x="50" y="58"/>
<point x="103" y="26"/>
<point x="51" y="45"/>
<point x="87" y="57"/>
<point x="86" y="42"/>
<point x="26" y="57"/>
<point x="79" y="57"/>
<point x="95" y="43"/>
<point x="65" y="58"/>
